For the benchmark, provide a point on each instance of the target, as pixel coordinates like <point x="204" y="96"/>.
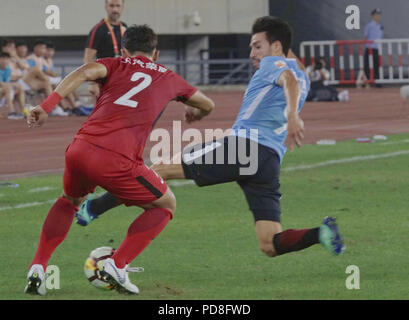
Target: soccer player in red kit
<point x="107" y="151"/>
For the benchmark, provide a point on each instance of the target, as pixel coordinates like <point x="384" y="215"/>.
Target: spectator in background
<point x="68" y="104"/>
<point x="105" y="38"/>
<point x="30" y="78"/>
<point x="6" y="90"/>
<point x="9" y="46"/>
<point x="320" y="90"/>
<point x="54" y="78"/>
<point x="373" y="31"/>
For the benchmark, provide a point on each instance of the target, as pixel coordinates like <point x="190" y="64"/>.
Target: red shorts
<point x="88" y="166"/>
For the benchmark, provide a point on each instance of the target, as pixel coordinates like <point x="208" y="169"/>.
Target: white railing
<point x="346" y="59"/>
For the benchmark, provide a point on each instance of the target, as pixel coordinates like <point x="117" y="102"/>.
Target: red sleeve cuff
<point x="52" y="100"/>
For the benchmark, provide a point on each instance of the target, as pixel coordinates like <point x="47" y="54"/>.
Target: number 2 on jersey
<point x="125" y="100"/>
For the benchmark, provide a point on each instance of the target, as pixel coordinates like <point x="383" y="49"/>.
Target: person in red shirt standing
<point x="107" y="151"/>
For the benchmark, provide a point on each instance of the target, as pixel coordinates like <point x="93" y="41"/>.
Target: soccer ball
<point x="95" y="264"/>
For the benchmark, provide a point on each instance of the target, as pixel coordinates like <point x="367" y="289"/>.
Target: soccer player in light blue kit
<point x="267" y="121"/>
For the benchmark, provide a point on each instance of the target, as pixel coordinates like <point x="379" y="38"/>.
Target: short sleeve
<point x="272" y="68"/>
<point x="31" y="63"/>
<point x="366" y="31"/>
<point x="107" y="62"/>
<point x="94" y="38"/>
<point x="183" y="91"/>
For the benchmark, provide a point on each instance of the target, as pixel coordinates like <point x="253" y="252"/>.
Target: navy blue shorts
<point x="254" y="167"/>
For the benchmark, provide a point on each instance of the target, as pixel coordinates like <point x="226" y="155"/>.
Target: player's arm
<point x="295" y="125"/>
<point x="88" y="72"/>
<point x="198" y="106"/>
<point x="50" y="72"/>
<point x="19" y="62"/>
<point x="300" y="65"/>
<point x="89" y="55"/>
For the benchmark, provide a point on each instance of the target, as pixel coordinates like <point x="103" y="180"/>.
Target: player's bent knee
<point x="167" y="201"/>
<point x="171" y="202"/>
<point x="75" y="201"/>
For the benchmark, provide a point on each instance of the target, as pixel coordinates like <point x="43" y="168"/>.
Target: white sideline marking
<point x="302" y="167"/>
<point x="346" y="160"/>
<point x="180" y="183"/>
<point x="41" y="189"/>
<point x="27" y="205"/>
<point x="395" y="142"/>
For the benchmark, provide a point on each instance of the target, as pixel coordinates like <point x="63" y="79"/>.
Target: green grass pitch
<point x="209" y="250"/>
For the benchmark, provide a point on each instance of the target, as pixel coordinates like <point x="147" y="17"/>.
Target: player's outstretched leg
<point x="92" y="208"/>
<point x="55" y="229"/>
<point x="297" y="239"/>
<point x="141" y="232"/>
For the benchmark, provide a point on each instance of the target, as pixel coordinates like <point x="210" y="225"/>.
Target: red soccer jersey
<point x="133" y="96"/>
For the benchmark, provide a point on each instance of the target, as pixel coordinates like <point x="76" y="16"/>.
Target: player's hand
<point x="193" y="114"/>
<point x="295" y="127"/>
<point x="94" y="89"/>
<point x="36" y="117"/>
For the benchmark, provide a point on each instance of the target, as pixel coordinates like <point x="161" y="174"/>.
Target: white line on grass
<point x="302" y="167"/>
<point x="180" y="183"/>
<point x="394" y="142"/>
<point x="41" y="189"/>
<point x="346" y="160"/>
<point x="26" y="205"/>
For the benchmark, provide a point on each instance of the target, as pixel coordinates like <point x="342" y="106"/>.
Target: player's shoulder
<point x="99" y="27"/>
<point x="109" y="60"/>
<point x="99" y="24"/>
<point x="273" y="62"/>
<point x="109" y="63"/>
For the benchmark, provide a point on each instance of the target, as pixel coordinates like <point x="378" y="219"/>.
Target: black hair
<point x="4" y="55"/>
<point x="376" y="11"/>
<point x="6" y="41"/>
<point x="39" y="42"/>
<point x="21" y="43"/>
<point x="276" y="29"/>
<point x="140" y="38"/>
<point x="50" y="45"/>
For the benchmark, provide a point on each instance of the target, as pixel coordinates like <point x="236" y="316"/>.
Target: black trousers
<point x="375" y="54"/>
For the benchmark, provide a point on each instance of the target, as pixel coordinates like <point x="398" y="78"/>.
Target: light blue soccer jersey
<point x="264" y="104"/>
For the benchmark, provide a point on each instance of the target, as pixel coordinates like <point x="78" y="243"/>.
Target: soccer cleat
<point x="118" y="278"/>
<point x="36" y="280"/>
<point x="330" y="237"/>
<point x="84" y="215"/>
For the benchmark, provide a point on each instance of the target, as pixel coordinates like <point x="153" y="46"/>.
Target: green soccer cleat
<point x="330" y="237"/>
<point x="84" y="215"/>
